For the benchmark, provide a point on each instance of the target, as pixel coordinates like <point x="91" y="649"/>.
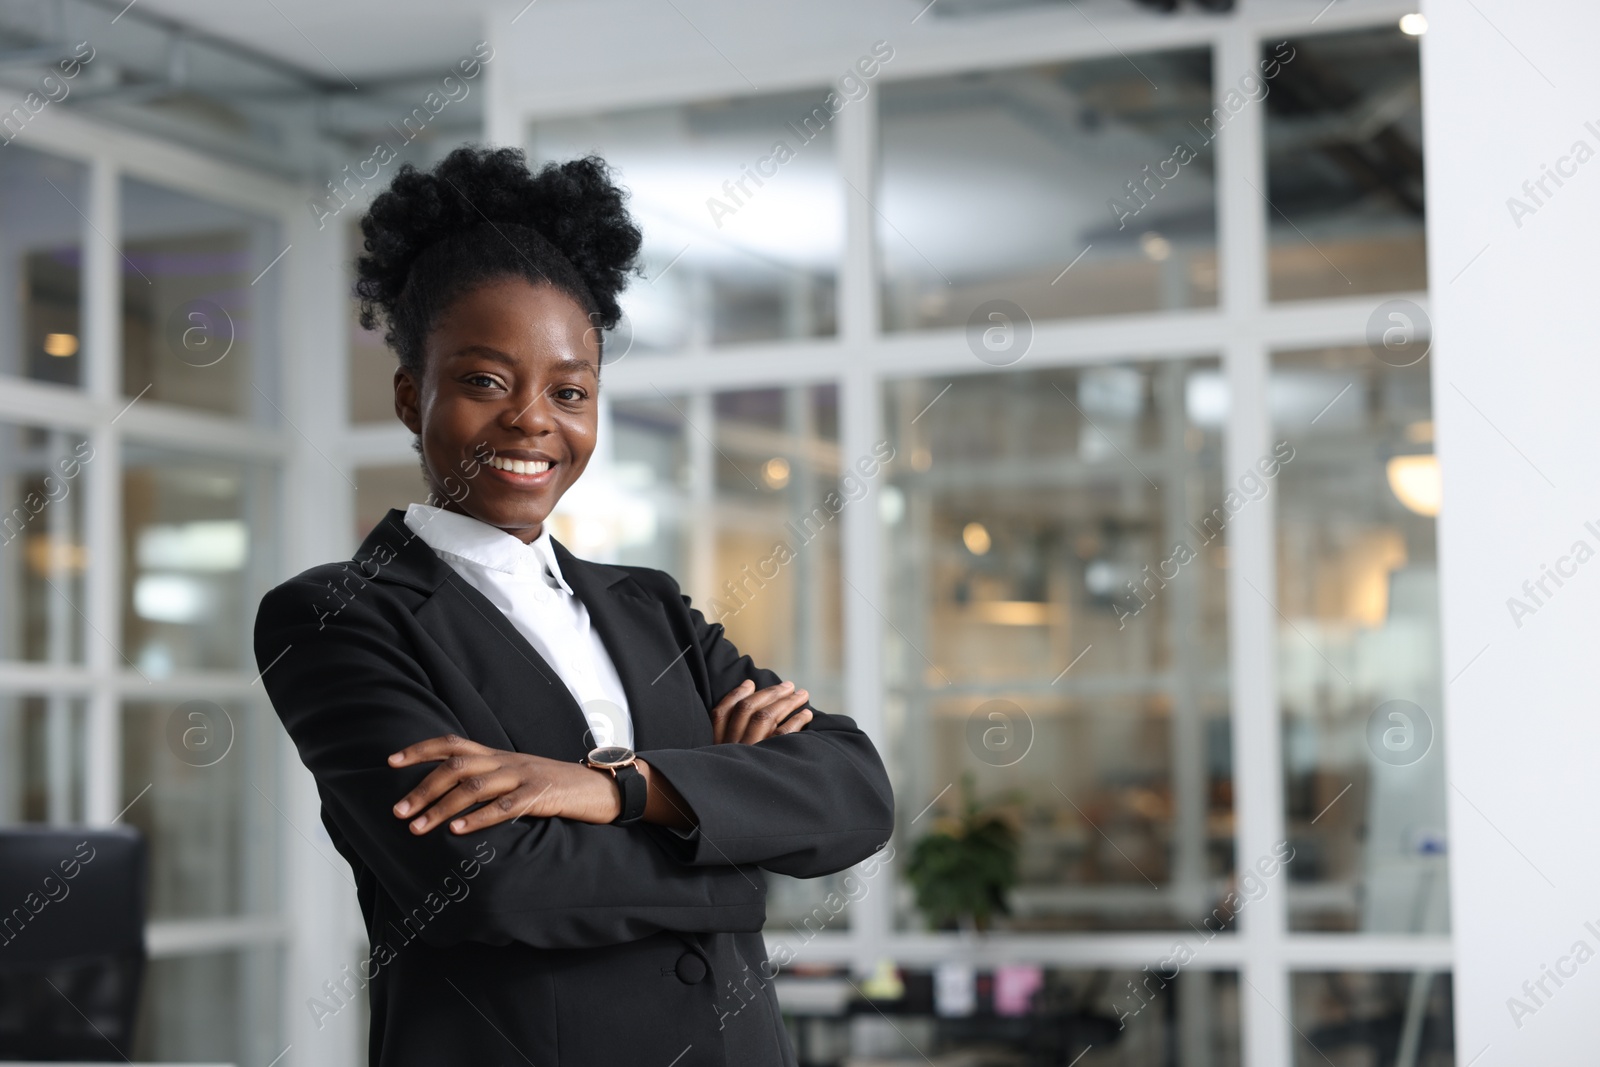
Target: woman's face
<point x="510" y="377"/>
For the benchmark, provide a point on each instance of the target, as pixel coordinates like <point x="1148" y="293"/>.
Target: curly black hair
<point x="481" y="215"/>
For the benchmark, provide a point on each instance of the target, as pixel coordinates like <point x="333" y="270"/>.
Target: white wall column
<point x="1511" y="100"/>
<point x="102" y="513"/>
<point x="318" y="500"/>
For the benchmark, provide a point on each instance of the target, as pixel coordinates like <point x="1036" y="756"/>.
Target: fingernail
<point x="417" y="824"/>
<point x="396" y="757"/>
<point x="459" y="825"/>
<point x="402" y="808"/>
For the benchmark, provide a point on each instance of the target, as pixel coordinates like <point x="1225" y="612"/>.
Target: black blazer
<point x="545" y="940"/>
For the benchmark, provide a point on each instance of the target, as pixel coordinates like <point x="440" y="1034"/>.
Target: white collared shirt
<point x="525" y="582"/>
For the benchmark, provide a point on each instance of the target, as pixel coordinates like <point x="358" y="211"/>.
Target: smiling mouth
<point x="520" y="466"/>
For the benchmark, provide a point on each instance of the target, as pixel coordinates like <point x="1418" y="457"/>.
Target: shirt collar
<point x="544" y="547"/>
<point x="488" y="546"/>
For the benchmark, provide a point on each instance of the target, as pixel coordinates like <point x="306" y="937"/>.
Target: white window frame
<point x="306" y="531"/>
<point x="1243" y="330"/>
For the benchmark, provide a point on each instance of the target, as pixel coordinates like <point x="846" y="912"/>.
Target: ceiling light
<point x="1420" y="433"/>
<point x="213" y="546"/>
<point x="1012" y="612"/>
<point x="1414" y="24"/>
<point x="976" y="538"/>
<point x="1100" y="577"/>
<point x="1416" y="483"/>
<point x="174" y="598"/>
<point x="48" y="556"/>
<point x="60" y="344"/>
<point x="1155" y="246"/>
<point x="775" y="472"/>
<point x="891" y="505"/>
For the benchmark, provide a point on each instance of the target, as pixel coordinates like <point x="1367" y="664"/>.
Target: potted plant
<point x="962" y="870"/>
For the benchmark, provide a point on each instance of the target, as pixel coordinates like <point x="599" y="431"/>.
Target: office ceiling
<point x="346" y="38"/>
<point x="287" y="86"/>
<point x="297" y="86"/>
<point x="384" y="38"/>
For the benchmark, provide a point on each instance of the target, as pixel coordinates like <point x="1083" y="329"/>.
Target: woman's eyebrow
<point x="573" y="363"/>
<point x="566" y="363"/>
<point x="485" y="352"/>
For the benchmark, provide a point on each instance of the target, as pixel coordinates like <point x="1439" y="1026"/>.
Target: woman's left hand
<point x="507" y="784"/>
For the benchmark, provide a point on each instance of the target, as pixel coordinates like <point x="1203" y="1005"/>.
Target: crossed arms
<point x="786" y="788"/>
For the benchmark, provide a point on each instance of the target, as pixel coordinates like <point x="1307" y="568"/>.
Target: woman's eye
<point x="569" y="393"/>
<point x="482" y="380"/>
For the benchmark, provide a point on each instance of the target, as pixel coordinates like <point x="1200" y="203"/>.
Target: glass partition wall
<point x="1032" y="415"/>
<point x="1049" y="576"/>
<point x="141" y="459"/>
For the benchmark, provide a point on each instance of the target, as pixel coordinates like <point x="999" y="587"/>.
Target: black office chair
<point x="72" y="911"/>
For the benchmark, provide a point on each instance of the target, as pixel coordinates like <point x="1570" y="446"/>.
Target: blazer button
<point x="691" y="968"/>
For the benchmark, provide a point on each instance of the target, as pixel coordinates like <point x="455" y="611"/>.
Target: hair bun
<point x="575" y="206"/>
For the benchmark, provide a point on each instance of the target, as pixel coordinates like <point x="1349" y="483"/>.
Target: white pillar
<point x="1510" y="89"/>
<point x="318" y="501"/>
<point x="102" y="485"/>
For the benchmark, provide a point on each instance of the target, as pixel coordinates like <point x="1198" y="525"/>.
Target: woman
<point x="554" y="780"/>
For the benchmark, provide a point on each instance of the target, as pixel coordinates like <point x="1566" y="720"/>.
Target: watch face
<point x="611" y="756"/>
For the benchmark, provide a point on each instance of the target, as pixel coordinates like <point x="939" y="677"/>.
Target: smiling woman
<point x="478" y="361"/>
<point x="470" y="687"/>
<point x="460" y="269"/>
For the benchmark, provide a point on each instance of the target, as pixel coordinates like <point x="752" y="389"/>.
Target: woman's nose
<point x="528" y="414"/>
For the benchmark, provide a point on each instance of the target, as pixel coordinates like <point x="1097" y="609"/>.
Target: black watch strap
<point x="634" y="790"/>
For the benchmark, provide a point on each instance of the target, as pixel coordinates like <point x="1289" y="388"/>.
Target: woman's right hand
<point x="748" y="715"/>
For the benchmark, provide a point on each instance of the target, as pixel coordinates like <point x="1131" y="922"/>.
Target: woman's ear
<point x="407" y="400"/>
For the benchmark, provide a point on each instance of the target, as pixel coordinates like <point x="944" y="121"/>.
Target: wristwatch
<point x="620" y="761"/>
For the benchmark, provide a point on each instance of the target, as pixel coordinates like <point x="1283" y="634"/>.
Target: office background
<point x="1078" y="356"/>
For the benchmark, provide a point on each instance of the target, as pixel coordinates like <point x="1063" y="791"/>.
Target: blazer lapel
<point x="663" y="701"/>
<point x="532" y="704"/>
<point x="529" y="701"/>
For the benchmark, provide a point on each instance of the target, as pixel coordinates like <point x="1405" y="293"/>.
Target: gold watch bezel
<point x="611" y="765"/>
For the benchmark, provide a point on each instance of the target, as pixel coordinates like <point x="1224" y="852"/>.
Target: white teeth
<point x="520" y="466"/>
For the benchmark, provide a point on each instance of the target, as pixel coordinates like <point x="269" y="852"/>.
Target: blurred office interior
<point x="1102" y="508"/>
